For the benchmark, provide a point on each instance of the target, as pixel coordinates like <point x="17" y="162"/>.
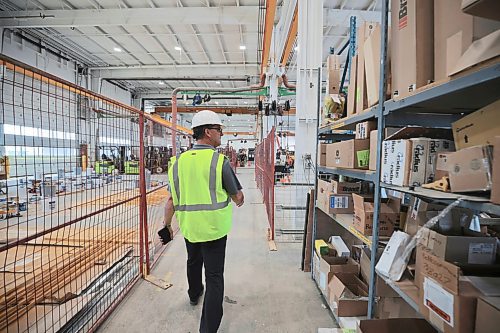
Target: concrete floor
<point x="270" y="292"/>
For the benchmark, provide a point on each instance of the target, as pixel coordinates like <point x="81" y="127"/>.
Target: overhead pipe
<point x="287" y="84"/>
<point x="208" y="89"/>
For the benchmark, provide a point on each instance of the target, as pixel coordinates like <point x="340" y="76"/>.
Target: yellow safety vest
<point x="202" y="206"/>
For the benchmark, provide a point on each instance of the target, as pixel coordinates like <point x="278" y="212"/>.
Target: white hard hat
<point x="205" y="117"/>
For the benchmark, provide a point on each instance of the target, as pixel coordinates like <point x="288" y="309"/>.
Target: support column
<point x="309" y="61"/>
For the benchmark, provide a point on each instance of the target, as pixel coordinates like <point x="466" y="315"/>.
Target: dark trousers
<point x="211" y="255"/>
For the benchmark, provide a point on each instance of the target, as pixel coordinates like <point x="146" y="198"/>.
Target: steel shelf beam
<point x="480" y="204"/>
<point x="350" y="122"/>
<point x="463" y="94"/>
<point x="367" y="175"/>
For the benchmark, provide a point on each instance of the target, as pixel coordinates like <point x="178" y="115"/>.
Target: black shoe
<point x="194" y="301"/>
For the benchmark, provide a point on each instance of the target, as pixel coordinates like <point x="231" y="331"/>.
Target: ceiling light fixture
<point x="243" y="47"/>
<point x="161" y="83"/>
<point x="217" y="82"/>
<point x="177" y="48"/>
<point x="117" y="49"/>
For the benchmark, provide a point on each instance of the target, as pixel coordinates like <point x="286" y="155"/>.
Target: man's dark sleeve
<point x="229" y="180"/>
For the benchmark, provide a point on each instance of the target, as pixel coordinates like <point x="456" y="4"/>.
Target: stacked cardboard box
<point x="409" y="155"/>
<point x="411" y="45"/>
<point x="364" y="68"/>
<point x="335" y="197"/>
<point x="487" y="315"/>
<point x="445" y="299"/>
<point x="351" y="154"/>
<point x="333" y="74"/>
<point x="470" y="168"/>
<point x="330" y="265"/>
<point x="349" y="294"/>
<point x="454" y="35"/>
<point x="363" y="216"/>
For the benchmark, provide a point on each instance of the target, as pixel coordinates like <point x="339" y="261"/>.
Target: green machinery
<point x="131" y="167"/>
<point x="104" y="167"/>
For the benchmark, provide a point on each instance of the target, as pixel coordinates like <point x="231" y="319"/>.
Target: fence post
<point x="144" y="248"/>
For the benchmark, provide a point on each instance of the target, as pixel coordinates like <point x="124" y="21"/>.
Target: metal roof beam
<point x="130" y="16"/>
<point x="158" y="72"/>
<point x="340" y="17"/>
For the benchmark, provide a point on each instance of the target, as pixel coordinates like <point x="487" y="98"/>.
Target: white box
<point x="340" y="247"/>
<point x="392" y="264"/>
<point x="404" y="161"/>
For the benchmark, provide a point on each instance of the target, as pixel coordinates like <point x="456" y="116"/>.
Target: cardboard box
<point x="363" y="216"/>
<point x="372" y="65"/>
<point x="333" y="62"/>
<point x="351" y="89"/>
<point x="388" y="265"/>
<point x="340" y="204"/>
<point x="417" y="214"/>
<point x="442" y="166"/>
<point x="333" y="81"/>
<point x="448" y="21"/>
<point x="364" y="129"/>
<point x="436" y="147"/>
<point x="382" y="289"/>
<point x="461" y="249"/>
<point x="394" y="307"/>
<point x="495" y="188"/>
<point x="324" y="186"/>
<point x="405" y="154"/>
<point x="470" y="169"/>
<point x="448" y="275"/>
<point x="478" y="128"/>
<point x="344" y="154"/>
<point x="450" y="312"/>
<point x="487" y="315"/>
<point x="364" y="31"/>
<point x="479" y="51"/>
<point x="345" y="187"/>
<point x="395" y="325"/>
<point x="350" y="294"/>
<point x="322" y="154"/>
<point x="412" y="42"/>
<point x="323" y="195"/>
<point x="489" y="9"/>
<point x="446" y="300"/>
<point x="404" y="161"/>
<point x="330" y="265"/>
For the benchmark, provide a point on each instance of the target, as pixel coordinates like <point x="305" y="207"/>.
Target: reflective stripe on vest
<point x="214" y="205"/>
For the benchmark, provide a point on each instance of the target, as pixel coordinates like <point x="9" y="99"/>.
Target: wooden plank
<point x="272" y="246"/>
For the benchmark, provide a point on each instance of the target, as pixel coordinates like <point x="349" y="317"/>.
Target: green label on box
<point x="363" y="157"/>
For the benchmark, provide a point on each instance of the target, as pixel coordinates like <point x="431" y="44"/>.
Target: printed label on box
<point x="438" y="300"/>
<point x="481" y="253"/>
<point x="363" y="158"/>
<point x="339" y="202"/>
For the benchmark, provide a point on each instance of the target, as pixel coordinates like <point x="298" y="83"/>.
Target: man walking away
<point x="202" y="185"/>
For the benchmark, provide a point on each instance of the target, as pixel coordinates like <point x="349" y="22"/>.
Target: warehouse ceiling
<point x="151" y="47"/>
